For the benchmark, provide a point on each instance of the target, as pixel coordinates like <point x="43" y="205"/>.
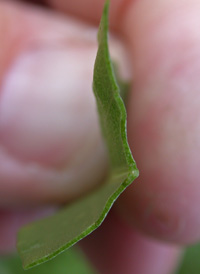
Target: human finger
<point x="163" y="119"/>
<point x="50" y="143"/>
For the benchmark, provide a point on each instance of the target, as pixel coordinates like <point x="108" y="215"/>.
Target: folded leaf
<point x="47" y="238"/>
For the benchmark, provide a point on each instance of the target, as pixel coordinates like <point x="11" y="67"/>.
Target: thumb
<point x="164" y="119"/>
<point x="50" y="144"/>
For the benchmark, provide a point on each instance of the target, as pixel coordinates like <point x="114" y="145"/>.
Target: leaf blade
<point x="45" y="239"/>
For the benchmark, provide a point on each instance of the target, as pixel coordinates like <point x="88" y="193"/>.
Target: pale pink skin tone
<point x="51" y="150"/>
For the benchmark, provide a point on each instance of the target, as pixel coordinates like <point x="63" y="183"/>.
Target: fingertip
<point x="46" y="153"/>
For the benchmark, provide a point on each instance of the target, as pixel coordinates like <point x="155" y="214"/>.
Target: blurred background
<point x="74" y="262"/>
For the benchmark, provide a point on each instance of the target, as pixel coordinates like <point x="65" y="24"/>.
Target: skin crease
<point x="163" y="120"/>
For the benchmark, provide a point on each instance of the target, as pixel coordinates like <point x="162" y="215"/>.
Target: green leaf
<point x="47" y="238"/>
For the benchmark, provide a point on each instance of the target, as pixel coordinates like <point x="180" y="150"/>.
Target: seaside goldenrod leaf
<point x="43" y="240"/>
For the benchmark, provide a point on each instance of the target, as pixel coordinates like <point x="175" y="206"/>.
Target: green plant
<point x="47" y="238"/>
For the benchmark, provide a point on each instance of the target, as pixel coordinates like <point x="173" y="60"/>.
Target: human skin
<point x="42" y="113"/>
